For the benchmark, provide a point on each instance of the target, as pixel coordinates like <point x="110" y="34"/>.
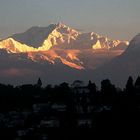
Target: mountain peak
<point x="62" y="36"/>
<point x="61" y="25"/>
<point x="34" y="36"/>
<point x="63" y="28"/>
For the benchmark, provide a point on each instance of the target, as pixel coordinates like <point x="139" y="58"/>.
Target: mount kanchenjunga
<point x="57" y="41"/>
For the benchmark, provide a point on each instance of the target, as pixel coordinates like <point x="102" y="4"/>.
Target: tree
<point x="92" y="87"/>
<point x="77" y="83"/>
<point x="129" y="85"/>
<point x="107" y="87"/>
<point x="64" y="86"/>
<point x="108" y="91"/>
<point x="39" y="83"/>
<point x="137" y="83"/>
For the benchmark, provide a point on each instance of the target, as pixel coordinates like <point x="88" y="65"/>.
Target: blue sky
<point x="118" y="19"/>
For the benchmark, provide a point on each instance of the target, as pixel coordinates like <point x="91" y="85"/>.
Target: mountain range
<point x="58" y="41"/>
<point x="121" y="67"/>
<point x="60" y="53"/>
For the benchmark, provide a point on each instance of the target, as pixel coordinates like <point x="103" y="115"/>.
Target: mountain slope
<point x="64" y="36"/>
<point x="122" y="66"/>
<point x="57" y="53"/>
<point x="34" y="36"/>
<point x="58" y="41"/>
<point x="12" y="46"/>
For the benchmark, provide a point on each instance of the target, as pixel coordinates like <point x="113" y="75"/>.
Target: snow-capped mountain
<point x="34" y="36"/>
<point x="63" y="36"/>
<point x="13" y="46"/>
<point x="60" y="42"/>
<point x="123" y="66"/>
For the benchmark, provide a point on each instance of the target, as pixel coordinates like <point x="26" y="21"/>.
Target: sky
<point x="117" y="19"/>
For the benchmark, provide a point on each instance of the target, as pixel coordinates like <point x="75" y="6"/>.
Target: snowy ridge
<point x="59" y="35"/>
<point x="59" y="41"/>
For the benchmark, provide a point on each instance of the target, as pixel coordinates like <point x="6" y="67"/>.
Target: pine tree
<point x="137" y="83"/>
<point x="39" y="83"/>
<point x="129" y="85"/>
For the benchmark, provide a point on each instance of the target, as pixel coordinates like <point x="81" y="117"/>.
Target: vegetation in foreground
<point x="68" y="111"/>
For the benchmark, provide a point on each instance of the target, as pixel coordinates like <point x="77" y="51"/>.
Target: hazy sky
<point x="118" y="19"/>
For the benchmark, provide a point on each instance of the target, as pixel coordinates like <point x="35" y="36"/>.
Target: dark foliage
<point x="68" y="112"/>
